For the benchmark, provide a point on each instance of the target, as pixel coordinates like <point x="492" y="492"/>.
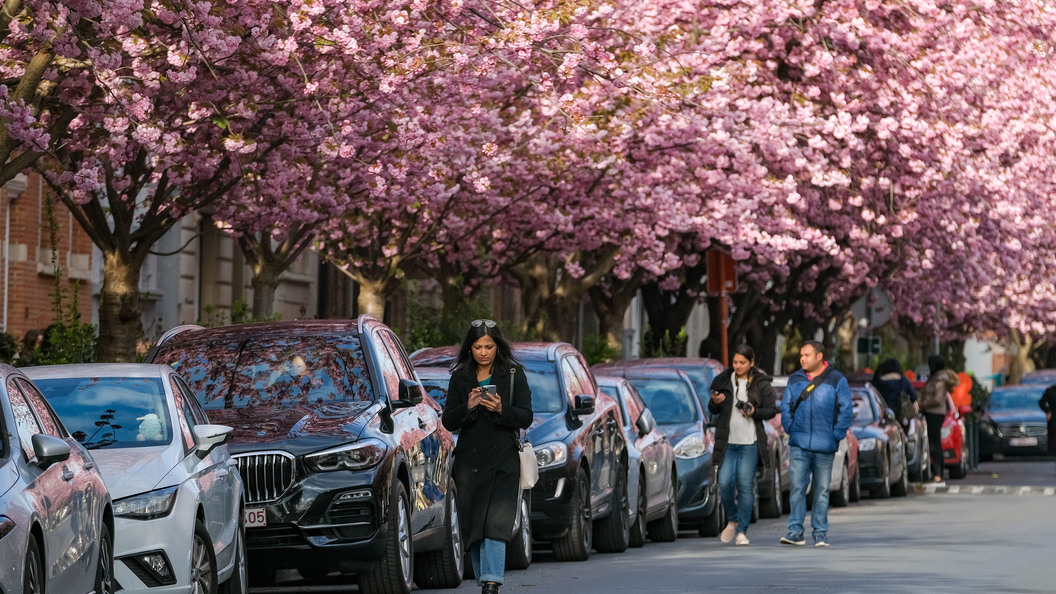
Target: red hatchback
<point x="954" y="444"/>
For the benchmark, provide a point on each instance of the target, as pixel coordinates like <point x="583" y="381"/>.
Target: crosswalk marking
<point x="988" y="490"/>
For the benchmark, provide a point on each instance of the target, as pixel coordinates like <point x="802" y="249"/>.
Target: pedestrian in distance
<point x="816" y="411"/>
<point x="741" y="399"/>
<point x="488" y="403"/>
<point x="892" y="383"/>
<point x="933" y="403"/>
<point x="1048" y="404"/>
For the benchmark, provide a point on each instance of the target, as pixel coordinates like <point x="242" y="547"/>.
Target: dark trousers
<point x="1052" y="436"/>
<point x="934" y="421"/>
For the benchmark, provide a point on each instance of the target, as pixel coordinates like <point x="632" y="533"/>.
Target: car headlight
<point x="147" y="506"/>
<point x="6" y="526"/>
<point x="690" y="446"/>
<point x="989" y="429"/>
<point x="867" y="444"/>
<point x="946" y="432"/>
<point x="550" y="454"/>
<point x="355" y="456"/>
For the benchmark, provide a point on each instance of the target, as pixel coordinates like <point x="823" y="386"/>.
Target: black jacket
<point x="486" y="467"/>
<point x="760" y="395"/>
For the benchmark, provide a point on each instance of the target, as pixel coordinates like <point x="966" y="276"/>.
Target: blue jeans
<point x="489" y="560"/>
<point x="738" y="472"/>
<point x="802" y="465"/>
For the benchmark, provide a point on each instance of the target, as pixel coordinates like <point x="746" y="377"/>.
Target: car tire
<point x="443" y="568"/>
<point x="612" y="534"/>
<point x="519" y="551"/>
<point x="638" y="529"/>
<point x="665" y="529"/>
<point x="203" y="560"/>
<point x="238" y="583"/>
<point x="961" y="470"/>
<point x="576" y="544"/>
<point x="855" y="490"/>
<point x="715" y="522"/>
<point x="901" y="488"/>
<point x="771" y="506"/>
<point x="394" y="572"/>
<point x="33" y="569"/>
<point x="842" y="496"/>
<point x="104" y="569"/>
<point x="883" y="491"/>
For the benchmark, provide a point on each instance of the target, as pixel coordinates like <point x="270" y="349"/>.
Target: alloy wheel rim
<point x="584" y="516"/>
<point x="404" y="536"/>
<point x="526" y="527"/>
<point x="33" y="576"/>
<point x="456" y="532"/>
<point x="201" y="568"/>
<point x="105" y="568"/>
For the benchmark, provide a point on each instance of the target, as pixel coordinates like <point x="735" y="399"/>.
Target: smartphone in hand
<point x="489" y="392"/>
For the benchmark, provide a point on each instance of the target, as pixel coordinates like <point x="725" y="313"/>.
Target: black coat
<point x="760" y="395"/>
<point x="486" y="467"/>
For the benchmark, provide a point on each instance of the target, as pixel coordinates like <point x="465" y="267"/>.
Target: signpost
<point x="722" y="280"/>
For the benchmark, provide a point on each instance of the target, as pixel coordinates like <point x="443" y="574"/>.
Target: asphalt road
<point x="994" y="531"/>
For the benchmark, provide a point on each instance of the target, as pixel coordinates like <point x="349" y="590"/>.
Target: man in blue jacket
<point x="816" y="411"/>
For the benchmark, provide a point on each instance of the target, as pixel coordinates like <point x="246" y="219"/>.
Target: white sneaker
<point x="742" y="539"/>
<point x="728" y="532"/>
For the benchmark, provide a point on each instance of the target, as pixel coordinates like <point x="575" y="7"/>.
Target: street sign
<point x="869" y="345"/>
<point x="722" y="272"/>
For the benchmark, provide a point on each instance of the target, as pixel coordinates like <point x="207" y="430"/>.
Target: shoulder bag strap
<point x="809" y="389"/>
<point x="520" y="442"/>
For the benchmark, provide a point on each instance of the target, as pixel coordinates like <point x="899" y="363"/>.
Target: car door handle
<point x="421" y="423"/>
<point x="67" y="474"/>
<point x="222" y="472"/>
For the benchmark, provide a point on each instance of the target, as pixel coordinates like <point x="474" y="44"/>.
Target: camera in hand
<point x="743" y="406"/>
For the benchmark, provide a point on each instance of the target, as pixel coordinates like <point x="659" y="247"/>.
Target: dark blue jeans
<point x="804" y="464"/>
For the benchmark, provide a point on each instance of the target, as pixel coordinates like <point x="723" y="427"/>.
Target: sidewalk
<point x="1015" y="476"/>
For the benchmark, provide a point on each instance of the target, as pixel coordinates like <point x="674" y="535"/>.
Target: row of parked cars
<point x="241" y="451"/>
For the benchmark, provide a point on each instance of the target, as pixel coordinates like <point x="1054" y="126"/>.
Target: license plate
<point x="1021" y="442"/>
<point x="256" y="518"/>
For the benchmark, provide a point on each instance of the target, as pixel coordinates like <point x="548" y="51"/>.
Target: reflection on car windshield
<point x="111" y="411"/>
<point x="670" y="400"/>
<point x="863" y="413"/>
<point x="284" y="371"/>
<point x="436" y="388"/>
<point x="1010" y="399"/>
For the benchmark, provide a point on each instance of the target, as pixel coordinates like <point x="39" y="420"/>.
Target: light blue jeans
<point x="802" y="465"/>
<point x="489" y="560"/>
<point x="737" y="483"/>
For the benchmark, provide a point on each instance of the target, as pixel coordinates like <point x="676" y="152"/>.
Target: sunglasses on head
<point x="487" y="323"/>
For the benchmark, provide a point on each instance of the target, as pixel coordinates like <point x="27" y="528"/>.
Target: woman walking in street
<point x="891" y="382"/>
<point x="741" y="399"/>
<point x="933" y="404"/>
<point x="488" y="402"/>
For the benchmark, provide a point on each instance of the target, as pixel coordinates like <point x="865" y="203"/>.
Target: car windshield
<point x="1012" y="399"/>
<point x="546" y="390"/>
<point x="670" y="400"/>
<point x="863" y="413"/>
<point x="105" y="412"/>
<point x="283" y="371"/>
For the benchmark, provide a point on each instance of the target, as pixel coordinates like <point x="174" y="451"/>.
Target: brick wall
<point x="30" y="287"/>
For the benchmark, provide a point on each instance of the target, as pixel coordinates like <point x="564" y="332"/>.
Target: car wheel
<point x="855" y="490"/>
<point x="612" y="533"/>
<point x="841" y="496"/>
<point x="901" y="488"/>
<point x="961" y="470"/>
<point x="576" y="544"/>
<point x="203" y="561"/>
<point x="717" y="520"/>
<point x="519" y="551"/>
<point x="665" y="529"/>
<point x="638" y="530"/>
<point x="395" y="570"/>
<point x="771" y="506"/>
<point x="883" y="491"/>
<point x="104" y="570"/>
<point x="33" y="569"/>
<point x="238" y="583"/>
<point x="443" y="568"/>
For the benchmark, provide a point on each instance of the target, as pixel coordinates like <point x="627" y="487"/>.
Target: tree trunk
<point x="265" y="282"/>
<point x="120" y="310"/>
<point x="551" y="297"/>
<point x="373" y="294"/>
<point x="610" y="304"/>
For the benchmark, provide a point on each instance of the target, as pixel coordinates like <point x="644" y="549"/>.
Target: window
<point x="634" y="407"/>
<point x="186" y="419"/>
<point x="25" y="422"/>
<point x="571" y="380"/>
<point x="45" y="415"/>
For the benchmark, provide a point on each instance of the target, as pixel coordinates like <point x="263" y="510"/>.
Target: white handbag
<point x="529" y="465"/>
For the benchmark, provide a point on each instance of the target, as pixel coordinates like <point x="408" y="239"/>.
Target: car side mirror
<point x="49" y="449"/>
<point x="208" y="437"/>
<point x="410" y="394"/>
<point x="646" y="422"/>
<point x="583" y="405"/>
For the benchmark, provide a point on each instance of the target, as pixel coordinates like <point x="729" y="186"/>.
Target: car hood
<point x="8" y="476"/>
<point x="131" y="471"/>
<point x="676" y="431"/>
<point x="546" y="428"/>
<point x="267" y="424"/>
<point x="1019" y="415"/>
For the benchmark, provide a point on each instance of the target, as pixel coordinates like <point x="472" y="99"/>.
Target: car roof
<point x="433" y="372"/>
<point x="127" y="370"/>
<point x="669" y="362"/>
<point x="446" y="355"/>
<point x="191" y="334"/>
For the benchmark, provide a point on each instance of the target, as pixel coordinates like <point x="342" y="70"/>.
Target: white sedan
<point x="177" y="493"/>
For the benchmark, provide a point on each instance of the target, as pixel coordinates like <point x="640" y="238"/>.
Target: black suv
<point x="580" y="501"/>
<point x="345" y="462"/>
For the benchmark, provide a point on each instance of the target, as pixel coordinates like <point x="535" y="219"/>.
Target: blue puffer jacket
<point x="821" y="420"/>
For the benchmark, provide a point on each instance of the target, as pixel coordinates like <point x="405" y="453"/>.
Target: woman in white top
<point x="741" y="399"/>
